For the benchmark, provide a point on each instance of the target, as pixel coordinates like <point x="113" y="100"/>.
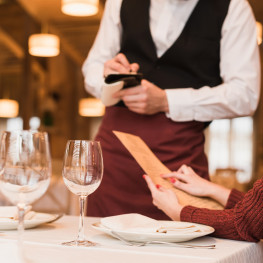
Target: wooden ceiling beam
<point x="11" y="44"/>
<point x="68" y="47"/>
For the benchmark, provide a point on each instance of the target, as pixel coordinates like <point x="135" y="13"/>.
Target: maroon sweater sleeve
<point x="233" y="198"/>
<point x="242" y="222"/>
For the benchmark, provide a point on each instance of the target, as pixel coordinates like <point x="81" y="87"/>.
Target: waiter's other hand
<point x="119" y="64"/>
<point x="144" y="99"/>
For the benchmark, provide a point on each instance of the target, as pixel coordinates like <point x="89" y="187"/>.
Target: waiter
<point x="200" y="62"/>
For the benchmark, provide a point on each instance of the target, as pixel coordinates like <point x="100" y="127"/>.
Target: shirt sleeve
<point x="103" y="50"/>
<point x="243" y="222"/>
<point x="238" y="95"/>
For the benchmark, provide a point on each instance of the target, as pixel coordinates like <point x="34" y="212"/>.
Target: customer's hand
<point x="119" y="64"/>
<point x="144" y="99"/>
<point x="187" y="180"/>
<point x="164" y="199"/>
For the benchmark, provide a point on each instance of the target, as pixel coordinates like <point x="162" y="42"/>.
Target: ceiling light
<point x="80" y="7"/>
<point x="8" y="108"/>
<point x="43" y="45"/>
<point x="91" y="107"/>
<point x="259" y="33"/>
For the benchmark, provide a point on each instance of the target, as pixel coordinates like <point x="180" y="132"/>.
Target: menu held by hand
<point x="154" y="168"/>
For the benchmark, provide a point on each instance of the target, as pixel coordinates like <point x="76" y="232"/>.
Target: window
<point x="229" y="144"/>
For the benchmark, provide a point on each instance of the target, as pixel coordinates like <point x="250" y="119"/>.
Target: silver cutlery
<point x="144" y="243"/>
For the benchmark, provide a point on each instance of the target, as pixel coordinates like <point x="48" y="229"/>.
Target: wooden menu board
<point x="154" y="167"/>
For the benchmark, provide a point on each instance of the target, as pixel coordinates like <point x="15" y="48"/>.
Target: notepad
<point x="116" y="82"/>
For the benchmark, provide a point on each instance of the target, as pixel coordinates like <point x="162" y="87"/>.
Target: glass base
<point x="79" y="243"/>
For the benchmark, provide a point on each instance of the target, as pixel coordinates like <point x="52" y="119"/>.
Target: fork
<point x="144" y="243"/>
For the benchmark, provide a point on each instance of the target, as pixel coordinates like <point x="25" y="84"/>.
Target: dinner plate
<point x="36" y="220"/>
<point x="168" y="237"/>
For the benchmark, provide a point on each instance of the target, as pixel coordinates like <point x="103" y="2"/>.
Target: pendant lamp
<point x="91" y="107"/>
<point x="43" y="45"/>
<point x="80" y="7"/>
<point x="8" y="108"/>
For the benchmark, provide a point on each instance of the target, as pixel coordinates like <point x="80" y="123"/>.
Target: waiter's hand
<point x="119" y="64"/>
<point x="144" y="99"/>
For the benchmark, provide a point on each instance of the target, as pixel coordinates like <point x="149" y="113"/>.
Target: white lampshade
<point x="80" y="7"/>
<point x="8" y="108"/>
<point x="259" y="32"/>
<point x="43" y="45"/>
<point x="91" y="107"/>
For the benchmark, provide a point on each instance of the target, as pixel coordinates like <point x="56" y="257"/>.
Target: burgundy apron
<point x="123" y="189"/>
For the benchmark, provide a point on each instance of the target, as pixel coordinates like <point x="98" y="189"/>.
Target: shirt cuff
<point x="234" y="197"/>
<point x="180" y="104"/>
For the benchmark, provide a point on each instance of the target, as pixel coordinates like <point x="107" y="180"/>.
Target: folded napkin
<point x="144" y="224"/>
<point x="11" y="212"/>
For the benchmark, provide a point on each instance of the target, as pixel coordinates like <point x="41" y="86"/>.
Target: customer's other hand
<point x="187" y="180"/>
<point x="164" y="199"/>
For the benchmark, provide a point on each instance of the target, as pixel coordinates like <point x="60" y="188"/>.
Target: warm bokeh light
<point x="8" y="108"/>
<point x="43" y="45"/>
<point x="91" y="107"/>
<point x="80" y="7"/>
<point x="259" y="32"/>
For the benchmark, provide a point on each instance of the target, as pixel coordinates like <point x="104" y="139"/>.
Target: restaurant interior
<point x="43" y="45"/>
<point x="48" y="94"/>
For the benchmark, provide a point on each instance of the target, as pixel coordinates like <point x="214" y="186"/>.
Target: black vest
<point x="193" y="59"/>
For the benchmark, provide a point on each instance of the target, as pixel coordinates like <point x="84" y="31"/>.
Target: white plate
<point x="38" y="219"/>
<point x="168" y="237"/>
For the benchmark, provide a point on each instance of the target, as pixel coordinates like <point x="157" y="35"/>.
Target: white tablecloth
<point x="42" y="245"/>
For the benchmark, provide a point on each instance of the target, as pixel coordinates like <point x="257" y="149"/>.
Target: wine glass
<point x="82" y="174"/>
<point x="25" y="177"/>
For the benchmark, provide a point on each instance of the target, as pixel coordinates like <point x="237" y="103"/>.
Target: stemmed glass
<point x="82" y="174"/>
<point x="25" y="177"/>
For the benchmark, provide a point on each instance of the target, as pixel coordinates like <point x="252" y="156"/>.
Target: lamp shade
<point x="259" y="32"/>
<point x="43" y="45"/>
<point x="8" y="108"/>
<point x="91" y="107"/>
<point x="80" y="7"/>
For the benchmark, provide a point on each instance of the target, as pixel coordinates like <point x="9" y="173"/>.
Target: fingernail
<point x="158" y="186"/>
<point x="144" y="176"/>
<point x="172" y="180"/>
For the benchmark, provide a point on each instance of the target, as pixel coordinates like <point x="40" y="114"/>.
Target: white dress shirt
<point x="238" y="95"/>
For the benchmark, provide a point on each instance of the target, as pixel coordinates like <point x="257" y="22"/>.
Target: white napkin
<point x="11" y="213"/>
<point x="144" y="224"/>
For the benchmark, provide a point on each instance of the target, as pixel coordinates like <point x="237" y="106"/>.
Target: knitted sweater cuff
<point x="186" y="213"/>
<point x="234" y="197"/>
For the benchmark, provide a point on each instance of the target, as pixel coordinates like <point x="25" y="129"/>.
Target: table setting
<point x="28" y="236"/>
<point x="9" y="218"/>
<point x="136" y="229"/>
<point x="44" y="244"/>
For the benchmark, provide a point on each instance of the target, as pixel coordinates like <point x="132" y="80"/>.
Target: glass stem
<point x="82" y="203"/>
<point x="20" y="228"/>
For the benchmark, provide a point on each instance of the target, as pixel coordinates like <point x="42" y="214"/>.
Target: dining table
<point x="43" y="244"/>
